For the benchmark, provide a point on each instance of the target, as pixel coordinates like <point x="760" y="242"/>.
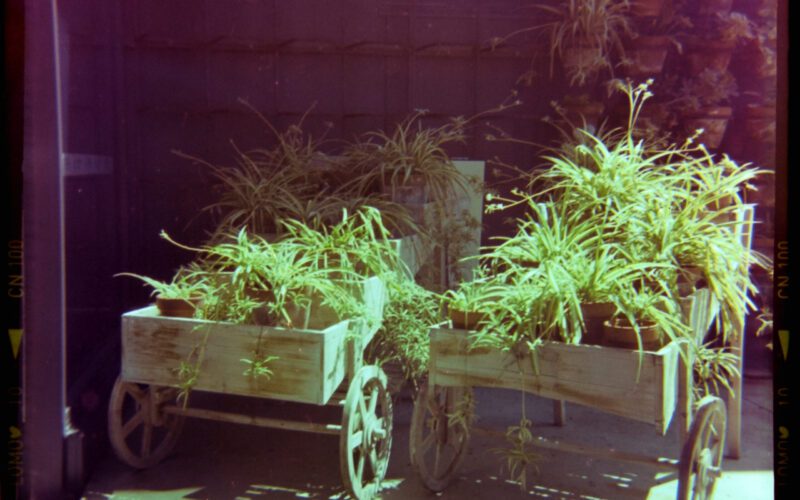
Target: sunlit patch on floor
<point x="620" y="481"/>
<point x="750" y="484"/>
<point x="263" y="489"/>
<point x="391" y="484"/>
<point x="176" y="494"/>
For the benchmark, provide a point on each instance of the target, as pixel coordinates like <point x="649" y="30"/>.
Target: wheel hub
<point x="373" y="432"/>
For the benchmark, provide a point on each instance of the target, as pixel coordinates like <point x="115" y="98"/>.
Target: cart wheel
<point x="366" y="437"/>
<point x="141" y="433"/>
<point x="437" y="446"/>
<point x="701" y="458"/>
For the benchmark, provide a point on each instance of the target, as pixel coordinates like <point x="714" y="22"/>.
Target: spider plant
<point x="710" y="88"/>
<point x="547" y="232"/>
<point x="595" y="27"/>
<point x="403" y="337"/>
<point x="472" y="295"/>
<point x="288" y="271"/>
<point x="643" y="308"/>
<point x="183" y="285"/>
<point x="359" y="242"/>
<point x="513" y="318"/>
<point x="410" y="157"/>
<point x="267" y="185"/>
<point x="715" y="368"/>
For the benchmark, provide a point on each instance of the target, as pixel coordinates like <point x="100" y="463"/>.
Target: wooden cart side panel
<point x="600" y="377"/>
<point x="153" y="348"/>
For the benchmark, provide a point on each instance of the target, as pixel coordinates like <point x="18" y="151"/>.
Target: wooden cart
<point x="601" y="377"/>
<point x="310" y="366"/>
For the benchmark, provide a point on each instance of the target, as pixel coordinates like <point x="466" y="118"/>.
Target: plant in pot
<point x="410" y="165"/>
<point x="645" y="320"/>
<point x="713" y="41"/>
<point x="584" y="35"/>
<point x="465" y="303"/>
<point x="712" y="239"/>
<point x="265" y="185"/>
<point x="650" y="40"/>
<point x="598" y="277"/>
<point x="259" y="282"/>
<point x="546" y="232"/>
<point x="359" y="242"/>
<point x="704" y="104"/>
<point x="548" y="239"/>
<point x="714" y="370"/>
<point x="180" y="297"/>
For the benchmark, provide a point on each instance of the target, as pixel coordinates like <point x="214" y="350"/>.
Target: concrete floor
<point x="227" y="461"/>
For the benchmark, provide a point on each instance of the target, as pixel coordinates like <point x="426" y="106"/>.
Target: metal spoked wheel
<point x="701" y="458"/>
<point x="366" y="437"/>
<point x="438" y="443"/>
<point x="141" y="433"/>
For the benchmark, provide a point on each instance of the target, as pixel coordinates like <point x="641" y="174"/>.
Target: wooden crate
<point x="600" y="377"/>
<point x="311" y="363"/>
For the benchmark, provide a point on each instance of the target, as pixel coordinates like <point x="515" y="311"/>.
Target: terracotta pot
<point x="713" y="121"/>
<point x="702" y="53"/>
<point x="620" y="333"/>
<point x="647" y="55"/>
<point x="594" y="315"/>
<point x="179" y="308"/>
<point x="465" y="320"/>
<point x="646" y="8"/>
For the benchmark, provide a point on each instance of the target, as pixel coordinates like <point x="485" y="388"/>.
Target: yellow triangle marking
<point x="783" y="336"/>
<point x="15" y="334"/>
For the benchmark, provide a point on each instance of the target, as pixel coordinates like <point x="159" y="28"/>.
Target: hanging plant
<point x="583" y="35"/>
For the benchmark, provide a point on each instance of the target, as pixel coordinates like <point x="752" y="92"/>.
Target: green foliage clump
<point x="403" y="337"/>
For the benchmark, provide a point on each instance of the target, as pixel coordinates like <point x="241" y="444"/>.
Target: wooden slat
<point x="273" y="423"/>
<point x="600" y="377"/>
